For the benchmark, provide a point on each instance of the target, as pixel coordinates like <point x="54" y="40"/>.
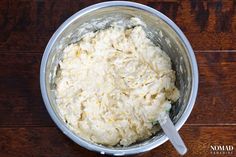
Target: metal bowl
<point x="160" y="29"/>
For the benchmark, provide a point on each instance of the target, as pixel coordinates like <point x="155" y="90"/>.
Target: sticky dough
<point x="113" y="84"/>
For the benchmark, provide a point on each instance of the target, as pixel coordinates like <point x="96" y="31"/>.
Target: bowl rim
<point x="106" y="150"/>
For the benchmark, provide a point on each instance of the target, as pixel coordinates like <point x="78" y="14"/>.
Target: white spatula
<point x="173" y="135"/>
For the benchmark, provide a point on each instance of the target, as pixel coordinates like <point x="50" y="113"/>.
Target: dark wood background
<point x="25" y="28"/>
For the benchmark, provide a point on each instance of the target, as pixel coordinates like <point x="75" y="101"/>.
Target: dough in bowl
<point x="113" y="84"/>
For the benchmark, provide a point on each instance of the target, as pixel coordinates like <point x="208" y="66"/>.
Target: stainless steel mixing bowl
<point x="160" y="29"/>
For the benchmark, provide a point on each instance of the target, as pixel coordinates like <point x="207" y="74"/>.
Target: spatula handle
<point x="174" y="137"/>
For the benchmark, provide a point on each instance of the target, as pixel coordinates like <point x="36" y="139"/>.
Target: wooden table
<point x="25" y="28"/>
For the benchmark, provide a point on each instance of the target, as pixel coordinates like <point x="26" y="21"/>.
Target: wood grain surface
<point x="27" y="130"/>
<point x="51" y="142"/>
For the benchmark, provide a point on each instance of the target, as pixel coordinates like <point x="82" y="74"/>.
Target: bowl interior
<point x="157" y="30"/>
